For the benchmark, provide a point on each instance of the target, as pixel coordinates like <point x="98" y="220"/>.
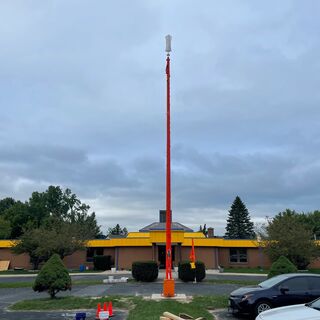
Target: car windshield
<point x="271" y="282"/>
<point x="314" y="304"/>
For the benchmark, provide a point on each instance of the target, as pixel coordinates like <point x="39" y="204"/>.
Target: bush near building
<point x="281" y="266"/>
<point x="145" y="271"/>
<point x="187" y="274"/>
<point x="102" y="263"/>
<point x="53" y="277"/>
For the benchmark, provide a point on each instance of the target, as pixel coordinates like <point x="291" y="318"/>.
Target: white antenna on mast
<point x="168" y="44"/>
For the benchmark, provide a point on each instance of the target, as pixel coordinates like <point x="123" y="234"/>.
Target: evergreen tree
<point x="239" y="225"/>
<point x="118" y="231"/>
<point x="53" y="277"/>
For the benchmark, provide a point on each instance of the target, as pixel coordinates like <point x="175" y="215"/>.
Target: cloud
<point x="82" y="105"/>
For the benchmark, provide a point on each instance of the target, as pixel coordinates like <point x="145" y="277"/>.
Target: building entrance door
<point x="162" y="256"/>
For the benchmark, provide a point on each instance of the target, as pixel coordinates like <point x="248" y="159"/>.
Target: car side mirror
<point x="284" y="290"/>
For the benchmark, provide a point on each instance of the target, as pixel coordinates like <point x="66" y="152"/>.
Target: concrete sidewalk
<point x="215" y="272"/>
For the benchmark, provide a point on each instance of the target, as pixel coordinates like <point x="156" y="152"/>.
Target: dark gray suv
<point x="282" y="290"/>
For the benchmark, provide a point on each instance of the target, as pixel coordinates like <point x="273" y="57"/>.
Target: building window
<point x="238" y="255"/>
<point x="91" y="252"/>
<point x="99" y="251"/>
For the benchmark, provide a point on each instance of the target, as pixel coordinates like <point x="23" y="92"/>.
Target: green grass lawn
<point x="199" y="307"/>
<point x="261" y="271"/>
<point x="314" y="270"/>
<point x="70" y="303"/>
<point x="138" y="307"/>
<point x="17" y="272"/>
<point x="226" y="281"/>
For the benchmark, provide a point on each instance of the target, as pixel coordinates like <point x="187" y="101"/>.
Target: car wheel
<point x="262" y="306"/>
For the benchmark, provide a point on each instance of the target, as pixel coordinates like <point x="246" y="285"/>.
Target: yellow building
<point x="149" y="244"/>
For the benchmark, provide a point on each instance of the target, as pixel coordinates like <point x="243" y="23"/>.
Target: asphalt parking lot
<point x="10" y="296"/>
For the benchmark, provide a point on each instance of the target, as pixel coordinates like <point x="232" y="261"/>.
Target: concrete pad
<point x="177" y="297"/>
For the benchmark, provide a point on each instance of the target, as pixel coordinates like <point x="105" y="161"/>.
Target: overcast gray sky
<point x="82" y="105"/>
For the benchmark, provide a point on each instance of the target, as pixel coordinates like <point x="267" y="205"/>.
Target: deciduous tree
<point x="5" y="228"/>
<point x="285" y="235"/>
<point x="55" y="221"/>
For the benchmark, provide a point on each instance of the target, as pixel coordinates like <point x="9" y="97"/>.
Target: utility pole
<point x="168" y="284"/>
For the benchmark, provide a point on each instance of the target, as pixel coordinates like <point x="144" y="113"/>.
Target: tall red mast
<point x="168" y="284"/>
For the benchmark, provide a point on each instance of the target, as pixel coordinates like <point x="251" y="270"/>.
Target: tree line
<point x="56" y="221"/>
<point x="53" y="221"/>
<point x="288" y="233"/>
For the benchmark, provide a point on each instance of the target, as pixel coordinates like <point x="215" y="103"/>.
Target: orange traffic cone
<point x="110" y="309"/>
<point x="105" y="306"/>
<point x="98" y="311"/>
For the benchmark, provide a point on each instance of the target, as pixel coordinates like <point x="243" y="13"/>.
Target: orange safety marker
<point x="98" y="311"/>
<point x="168" y="288"/>
<point x="105" y="306"/>
<point x="110" y="309"/>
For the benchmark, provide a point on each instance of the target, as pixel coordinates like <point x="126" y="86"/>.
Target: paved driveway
<point x="10" y="296"/>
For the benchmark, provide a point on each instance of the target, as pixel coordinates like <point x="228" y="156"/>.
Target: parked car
<point x="279" y="291"/>
<point x="308" y="311"/>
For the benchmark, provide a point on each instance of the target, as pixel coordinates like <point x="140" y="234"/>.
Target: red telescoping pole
<point x="168" y="189"/>
<point x="168" y="283"/>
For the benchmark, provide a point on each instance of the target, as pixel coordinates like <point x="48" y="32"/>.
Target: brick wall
<point x="204" y="254"/>
<point x="75" y="260"/>
<point x="127" y="255"/>
<point x="255" y="257"/>
<point x="20" y="260"/>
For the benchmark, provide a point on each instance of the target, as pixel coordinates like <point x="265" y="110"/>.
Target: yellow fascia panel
<point x="138" y="235"/>
<point x="218" y="242"/>
<point x="7" y="243"/>
<point x="123" y="242"/>
<point x="160" y="236"/>
<point x="240" y="243"/>
<point x="194" y="235"/>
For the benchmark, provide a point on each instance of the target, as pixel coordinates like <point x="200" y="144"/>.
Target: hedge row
<point x="102" y="262"/>
<point x="146" y="271"/>
<point x="187" y="274"/>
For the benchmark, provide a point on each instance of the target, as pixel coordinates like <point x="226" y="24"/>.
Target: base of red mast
<point x="168" y="288"/>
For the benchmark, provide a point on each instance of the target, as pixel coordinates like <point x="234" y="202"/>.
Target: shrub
<point x="146" y="271"/>
<point x="187" y="274"/>
<point x="102" y="262"/>
<point x="53" y="277"/>
<point x="280" y="266"/>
